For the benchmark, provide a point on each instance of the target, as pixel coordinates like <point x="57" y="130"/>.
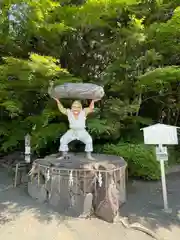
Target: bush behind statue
<point x="141" y="159"/>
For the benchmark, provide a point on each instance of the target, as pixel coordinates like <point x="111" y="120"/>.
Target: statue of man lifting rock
<point x="77" y="123"/>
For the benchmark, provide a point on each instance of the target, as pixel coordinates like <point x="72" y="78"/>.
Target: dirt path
<point x="23" y="218"/>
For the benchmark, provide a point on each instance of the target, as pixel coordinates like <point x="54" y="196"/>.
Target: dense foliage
<point x="130" y="47"/>
<point x="141" y="159"/>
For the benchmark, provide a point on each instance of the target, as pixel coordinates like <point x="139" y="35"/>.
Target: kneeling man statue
<point x="77" y="124"/>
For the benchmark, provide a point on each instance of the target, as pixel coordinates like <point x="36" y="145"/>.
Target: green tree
<point x="130" y="47"/>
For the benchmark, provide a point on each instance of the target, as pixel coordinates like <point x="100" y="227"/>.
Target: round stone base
<point x="79" y="186"/>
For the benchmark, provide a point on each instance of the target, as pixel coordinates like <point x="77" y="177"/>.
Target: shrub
<point x="174" y="155"/>
<point x="141" y="159"/>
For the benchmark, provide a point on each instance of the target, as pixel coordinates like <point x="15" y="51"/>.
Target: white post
<point x="27" y="148"/>
<point x="163" y="180"/>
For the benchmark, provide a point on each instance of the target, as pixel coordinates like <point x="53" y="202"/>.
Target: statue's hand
<point x="96" y="100"/>
<point x="57" y="100"/>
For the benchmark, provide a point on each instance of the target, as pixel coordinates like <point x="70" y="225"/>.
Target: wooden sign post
<point x="160" y="135"/>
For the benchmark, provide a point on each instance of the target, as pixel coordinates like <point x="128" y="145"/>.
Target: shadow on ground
<point x="144" y="203"/>
<point x="15" y="201"/>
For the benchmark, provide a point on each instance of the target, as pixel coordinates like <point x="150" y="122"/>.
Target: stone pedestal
<point x="79" y="186"/>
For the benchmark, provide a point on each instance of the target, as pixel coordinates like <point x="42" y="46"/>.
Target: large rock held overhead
<point x="77" y="91"/>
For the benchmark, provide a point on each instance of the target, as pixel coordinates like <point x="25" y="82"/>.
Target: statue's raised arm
<point x="90" y="109"/>
<point x="61" y="107"/>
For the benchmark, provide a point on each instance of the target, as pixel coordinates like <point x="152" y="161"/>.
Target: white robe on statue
<point x="77" y="131"/>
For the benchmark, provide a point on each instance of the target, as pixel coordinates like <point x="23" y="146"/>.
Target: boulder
<point x="77" y="91"/>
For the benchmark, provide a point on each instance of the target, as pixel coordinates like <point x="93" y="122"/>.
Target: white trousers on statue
<point x="76" y="134"/>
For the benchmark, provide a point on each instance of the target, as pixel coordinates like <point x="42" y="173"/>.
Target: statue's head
<point x="76" y="107"/>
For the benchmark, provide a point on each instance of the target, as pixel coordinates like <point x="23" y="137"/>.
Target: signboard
<point x="161" y="153"/>
<point x="160" y="134"/>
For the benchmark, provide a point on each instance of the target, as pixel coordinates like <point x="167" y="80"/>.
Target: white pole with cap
<point x="27" y="148"/>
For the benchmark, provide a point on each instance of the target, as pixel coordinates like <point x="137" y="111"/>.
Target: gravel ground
<point x="21" y="217"/>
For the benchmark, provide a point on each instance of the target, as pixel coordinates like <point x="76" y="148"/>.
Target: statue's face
<point x="76" y="107"/>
